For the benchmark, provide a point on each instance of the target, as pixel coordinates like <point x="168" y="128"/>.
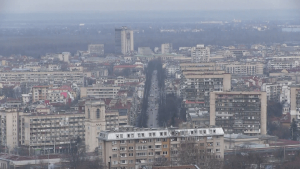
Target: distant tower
<point x="94" y="122"/>
<point x="200" y="54"/>
<point x="166" y="48"/>
<point x="123" y="40"/>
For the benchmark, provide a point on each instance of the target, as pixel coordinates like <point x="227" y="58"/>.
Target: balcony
<point x="251" y="131"/>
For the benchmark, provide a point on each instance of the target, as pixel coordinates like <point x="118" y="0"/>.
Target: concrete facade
<point x="239" y="112"/>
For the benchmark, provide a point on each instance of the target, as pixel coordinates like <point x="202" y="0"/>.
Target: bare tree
<point x="78" y="159"/>
<point x="191" y="152"/>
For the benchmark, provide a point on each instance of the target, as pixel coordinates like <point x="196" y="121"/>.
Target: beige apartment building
<point x="239" y="112"/>
<point x="39" y="93"/>
<point x="198" y="66"/>
<point x="145" y="147"/>
<point x="245" y="69"/>
<point x="99" y="91"/>
<point x="200" y="53"/>
<point x="53" y="78"/>
<point x="51" y="133"/>
<point x="9" y="133"/>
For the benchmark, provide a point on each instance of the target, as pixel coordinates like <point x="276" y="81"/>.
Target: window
<point x="165" y="146"/>
<point x="150" y="153"/>
<point x="115" y="155"/>
<point x="217" y="150"/>
<point x="123" y="155"/>
<point x="130" y="148"/>
<point x="122" y="148"/>
<point x="157" y="146"/>
<point x="89" y="114"/>
<point x="157" y="139"/>
<point x="98" y="113"/>
<point x="130" y="154"/>
<point x="165" y="153"/>
<point x="157" y="153"/>
<point x="123" y="161"/>
<point x="122" y="141"/>
<point x="142" y="154"/>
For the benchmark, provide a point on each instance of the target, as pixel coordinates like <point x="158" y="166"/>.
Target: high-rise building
<point x="123" y="40"/>
<point x="200" y="53"/>
<point x="9" y="129"/>
<point x="145" y="147"/>
<point x="195" y="87"/>
<point x="96" y="49"/>
<point x="239" y="112"/>
<point x="166" y="48"/>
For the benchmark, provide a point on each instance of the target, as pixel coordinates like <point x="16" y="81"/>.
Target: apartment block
<point x="137" y="148"/>
<point x="166" y="48"/>
<point x="245" y="69"/>
<point x="51" y="133"/>
<point x="124" y="42"/>
<point x="9" y="133"/>
<point x="196" y="88"/>
<point x="200" y="54"/>
<point x="39" y="93"/>
<point x="52" y="78"/>
<point x="239" y="112"/>
<point x="96" y="49"/>
<point x="99" y="91"/>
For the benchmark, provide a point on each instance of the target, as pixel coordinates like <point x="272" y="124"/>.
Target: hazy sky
<point x="117" y="5"/>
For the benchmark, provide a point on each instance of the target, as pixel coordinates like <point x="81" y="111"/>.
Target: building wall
<point x="133" y="149"/>
<point x="45" y="77"/>
<point x="53" y="131"/>
<point x="94" y="123"/>
<point x="295" y="106"/>
<point x="9" y="134"/>
<point x="99" y="92"/>
<point x="231" y="110"/>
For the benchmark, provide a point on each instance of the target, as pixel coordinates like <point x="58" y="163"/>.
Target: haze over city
<point x="149" y="84"/>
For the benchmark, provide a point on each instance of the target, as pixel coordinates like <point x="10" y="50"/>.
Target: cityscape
<point x="150" y="89"/>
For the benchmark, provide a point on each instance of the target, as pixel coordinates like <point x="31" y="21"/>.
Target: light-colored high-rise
<point x="9" y="129"/>
<point x="124" y="42"/>
<point x="166" y="48"/>
<point x="200" y="53"/>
